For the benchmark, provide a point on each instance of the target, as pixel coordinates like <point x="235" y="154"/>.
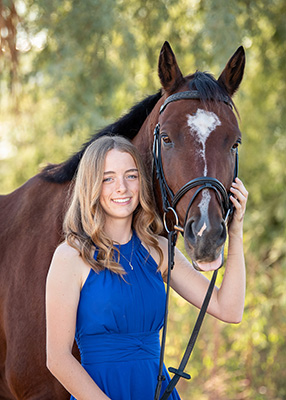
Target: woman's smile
<point x="122" y="201"/>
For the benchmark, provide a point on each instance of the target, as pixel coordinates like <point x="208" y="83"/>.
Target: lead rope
<point x="172" y="238"/>
<point x="179" y="372"/>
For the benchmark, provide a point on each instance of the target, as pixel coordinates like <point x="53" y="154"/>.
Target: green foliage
<point x="81" y="64"/>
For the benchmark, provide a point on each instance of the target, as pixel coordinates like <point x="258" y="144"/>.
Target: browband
<point x="190" y="94"/>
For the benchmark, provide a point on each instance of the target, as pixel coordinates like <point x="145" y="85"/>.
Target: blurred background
<point x="70" y="67"/>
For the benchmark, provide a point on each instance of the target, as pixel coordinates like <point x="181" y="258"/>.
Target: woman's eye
<point x="106" y="180"/>
<point x="132" y="177"/>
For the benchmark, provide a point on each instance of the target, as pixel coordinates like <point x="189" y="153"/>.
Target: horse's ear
<point x="169" y="72"/>
<point x="231" y="76"/>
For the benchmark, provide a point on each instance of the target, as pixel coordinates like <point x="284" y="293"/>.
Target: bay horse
<point x="198" y="137"/>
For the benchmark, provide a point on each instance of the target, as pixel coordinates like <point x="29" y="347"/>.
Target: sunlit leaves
<point x="83" y="63"/>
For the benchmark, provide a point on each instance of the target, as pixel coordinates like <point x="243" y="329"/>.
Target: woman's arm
<point x="63" y="286"/>
<point x="227" y="302"/>
<point x="231" y="295"/>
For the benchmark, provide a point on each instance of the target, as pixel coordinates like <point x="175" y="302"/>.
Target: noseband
<point x="170" y="201"/>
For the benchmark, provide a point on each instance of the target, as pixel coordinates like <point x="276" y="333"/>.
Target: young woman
<point x="105" y="285"/>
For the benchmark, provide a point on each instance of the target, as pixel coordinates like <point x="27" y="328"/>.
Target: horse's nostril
<point x="190" y="234"/>
<point x="221" y="234"/>
<point x="223" y="230"/>
<point x="210" y="236"/>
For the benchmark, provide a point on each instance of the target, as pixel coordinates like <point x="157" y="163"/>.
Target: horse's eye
<point x="166" y="138"/>
<point x="235" y="146"/>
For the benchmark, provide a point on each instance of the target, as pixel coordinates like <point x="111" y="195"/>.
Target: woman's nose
<point x="121" y="185"/>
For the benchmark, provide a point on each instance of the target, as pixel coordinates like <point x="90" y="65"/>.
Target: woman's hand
<point x="239" y="199"/>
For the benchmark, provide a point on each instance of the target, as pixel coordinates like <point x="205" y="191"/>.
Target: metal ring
<point x="164" y="218"/>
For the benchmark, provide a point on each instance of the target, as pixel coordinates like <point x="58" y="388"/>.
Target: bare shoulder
<point x="180" y="260"/>
<point x="163" y="243"/>
<point x="64" y="257"/>
<point x="63" y="287"/>
<point x="68" y="265"/>
<point x="65" y="251"/>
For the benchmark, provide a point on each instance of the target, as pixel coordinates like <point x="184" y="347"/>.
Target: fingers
<point x="239" y="198"/>
<point x="238" y="185"/>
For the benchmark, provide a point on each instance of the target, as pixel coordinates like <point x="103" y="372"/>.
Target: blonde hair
<point x="85" y="216"/>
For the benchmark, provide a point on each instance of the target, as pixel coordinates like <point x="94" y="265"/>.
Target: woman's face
<point x="120" y="187"/>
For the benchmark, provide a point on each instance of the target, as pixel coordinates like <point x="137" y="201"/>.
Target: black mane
<point x="127" y="126"/>
<point x="208" y="88"/>
<point x="130" y="124"/>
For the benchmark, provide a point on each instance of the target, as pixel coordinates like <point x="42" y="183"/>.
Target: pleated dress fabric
<point x="118" y="324"/>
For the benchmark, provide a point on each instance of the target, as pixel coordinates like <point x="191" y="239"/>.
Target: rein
<point x="170" y="200"/>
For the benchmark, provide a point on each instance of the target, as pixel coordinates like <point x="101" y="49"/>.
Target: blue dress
<point x="118" y="324"/>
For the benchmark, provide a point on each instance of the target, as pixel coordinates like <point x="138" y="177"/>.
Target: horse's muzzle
<point x="204" y="244"/>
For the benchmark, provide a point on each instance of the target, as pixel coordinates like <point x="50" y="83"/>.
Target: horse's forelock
<point x="208" y="87"/>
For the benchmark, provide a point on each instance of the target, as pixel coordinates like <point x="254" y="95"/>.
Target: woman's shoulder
<point x="68" y="264"/>
<point x="163" y="244"/>
<point x="66" y="252"/>
<point x="162" y="241"/>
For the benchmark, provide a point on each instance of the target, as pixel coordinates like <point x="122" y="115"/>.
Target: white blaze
<point x="202" y="124"/>
<point x="204" y="209"/>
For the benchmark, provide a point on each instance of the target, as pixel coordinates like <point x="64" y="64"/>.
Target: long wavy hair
<point x="85" y="218"/>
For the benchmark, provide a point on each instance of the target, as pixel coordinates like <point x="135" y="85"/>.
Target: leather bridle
<point x="169" y="202"/>
<point x="169" y="199"/>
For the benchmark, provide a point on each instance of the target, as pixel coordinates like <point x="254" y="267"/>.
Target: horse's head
<point x="197" y="137"/>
